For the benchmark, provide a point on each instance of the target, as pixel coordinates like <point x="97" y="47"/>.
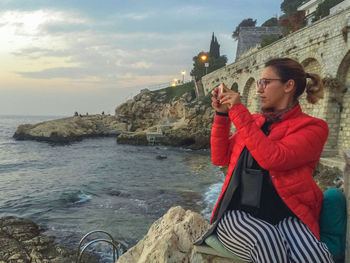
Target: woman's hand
<point x="225" y="101"/>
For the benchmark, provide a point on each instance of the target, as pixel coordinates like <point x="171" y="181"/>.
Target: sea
<point x="97" y="184"/>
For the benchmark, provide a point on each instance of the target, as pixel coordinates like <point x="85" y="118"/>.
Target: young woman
<point x="270" y="214"/>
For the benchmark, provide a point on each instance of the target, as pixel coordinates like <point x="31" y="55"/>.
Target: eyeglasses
<point x="262" y="83"/>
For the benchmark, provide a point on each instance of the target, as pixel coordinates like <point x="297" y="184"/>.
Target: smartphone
<point x="219" y="91"/>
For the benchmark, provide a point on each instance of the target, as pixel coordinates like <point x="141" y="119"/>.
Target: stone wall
<point x="322" y="48"/>
<point x="251" y="36"/>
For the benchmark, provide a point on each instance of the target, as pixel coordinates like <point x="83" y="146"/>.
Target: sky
<point x="62" y="56"/>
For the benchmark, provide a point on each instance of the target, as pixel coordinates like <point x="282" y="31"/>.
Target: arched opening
<point x="311" y="65"/>
<point x="249" y="97"/>
<point x="342" y="98"/>
<point x="234" y="87"/>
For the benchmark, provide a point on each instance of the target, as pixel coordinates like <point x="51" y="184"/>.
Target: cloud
<point x="136" y="16"/>
<point x="37" y="52"/>
<point x="60" y="72"/>
<point x="141" y="65"/>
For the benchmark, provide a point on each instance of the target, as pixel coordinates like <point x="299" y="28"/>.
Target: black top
<point x="272" y="209"/>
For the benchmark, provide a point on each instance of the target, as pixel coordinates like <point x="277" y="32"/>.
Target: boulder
<point x="170" y="240"/>
<point x="20" y="241"/>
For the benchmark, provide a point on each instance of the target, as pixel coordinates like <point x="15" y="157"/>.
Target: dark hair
<point x="287" y="68"/>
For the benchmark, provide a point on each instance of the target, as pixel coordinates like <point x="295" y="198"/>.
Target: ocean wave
<point x="75" y="197"/>
<point x="210" y="199"/>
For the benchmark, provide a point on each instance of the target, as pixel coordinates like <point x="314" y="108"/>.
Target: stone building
<point x="250" y="37"/>
<point x="323" y="48"/>
<point x="310" y="7"/>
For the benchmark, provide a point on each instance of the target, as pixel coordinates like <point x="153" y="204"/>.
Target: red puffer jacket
<point x="290" y="153"/>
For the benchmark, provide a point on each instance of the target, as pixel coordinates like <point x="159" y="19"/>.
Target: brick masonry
<point x="321" y="48"/>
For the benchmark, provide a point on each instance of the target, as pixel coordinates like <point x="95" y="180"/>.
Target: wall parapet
<point x="322" y="48"/>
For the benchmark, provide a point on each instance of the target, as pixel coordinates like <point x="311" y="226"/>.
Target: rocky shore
<point x="70" y="129"/>
<point x="179" y="120"/>
<point x="182" y="121"/>
<point x="21" y="242"/>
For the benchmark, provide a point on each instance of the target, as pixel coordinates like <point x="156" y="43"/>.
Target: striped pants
<point x="255" y="240"/>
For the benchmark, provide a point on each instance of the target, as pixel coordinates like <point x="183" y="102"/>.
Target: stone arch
<point x="249" y="96"/>
<point x="342" y="98"/>
<point x="311" y="65"/>
<point x="234" y="87"/>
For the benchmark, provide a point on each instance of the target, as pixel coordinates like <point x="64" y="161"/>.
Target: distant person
<point x="280" y="36"/>
<point x="269" y="207"/>
<point x="103" y="113"/>
<point x="76" y="113"/>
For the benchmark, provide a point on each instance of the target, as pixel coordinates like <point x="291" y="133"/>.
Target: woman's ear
<point x="290" y="86"/>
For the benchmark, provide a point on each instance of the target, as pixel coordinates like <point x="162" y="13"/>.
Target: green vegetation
<point x="245" y="22"/>
<point x="268" y="39"/>
<point x="271" y="22"/>
<point x="289" y="7"/>
<point x="214" y="47"/>
<point x="323" y="9"/>
<point x="199" y="69"/>
<point x="294" y="23"/>
<point x="175" y="92"/>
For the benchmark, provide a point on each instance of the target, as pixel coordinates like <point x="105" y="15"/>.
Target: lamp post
<point x="175" y="82"/>
<point x="206" y="64"/>
<point x="183" y="76"/>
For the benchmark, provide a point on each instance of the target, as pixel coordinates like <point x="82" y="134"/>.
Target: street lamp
<point x="175" y="81"/>
<point x="206" y="64"/>
<point x="183" y="76"/>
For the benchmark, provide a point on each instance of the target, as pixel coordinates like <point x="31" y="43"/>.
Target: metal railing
<point x="117" y="245"/>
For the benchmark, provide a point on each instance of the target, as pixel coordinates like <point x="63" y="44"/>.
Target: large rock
<point x="137" y="138"/>
<point x="170" y="240"/>
<point x="188" y="122"/>
<point x="21" y="242"/>
<point x="66" y="130"/>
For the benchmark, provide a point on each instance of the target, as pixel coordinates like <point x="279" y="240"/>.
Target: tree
<point x="214" y="47"/>
<point x="245" y="22"/>
<point x="198" y="70"/>
<point x="268" y="39"/>
<point x="289" y="7"/>
<point x="323" y="9"/>
<point x="294" y="23"/>
<point x="271" y="22"/>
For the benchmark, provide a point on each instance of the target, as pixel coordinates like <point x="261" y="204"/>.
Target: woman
<point x="277" y="220"/>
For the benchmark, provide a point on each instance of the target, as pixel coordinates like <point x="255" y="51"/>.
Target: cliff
<point x="183" y="120"/>
<point x="20" y="241"/>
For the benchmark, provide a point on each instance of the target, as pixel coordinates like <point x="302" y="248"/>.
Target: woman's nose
<point x="259" y="90"/>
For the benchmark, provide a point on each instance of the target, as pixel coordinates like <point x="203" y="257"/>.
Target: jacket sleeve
<point x="302" y="146"/>
<point x="220" y="142"/>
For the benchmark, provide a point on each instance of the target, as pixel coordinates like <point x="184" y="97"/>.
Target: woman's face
<point x="272" y="90"/>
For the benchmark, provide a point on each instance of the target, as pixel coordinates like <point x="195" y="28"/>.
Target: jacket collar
<point x="293" y="113"/>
